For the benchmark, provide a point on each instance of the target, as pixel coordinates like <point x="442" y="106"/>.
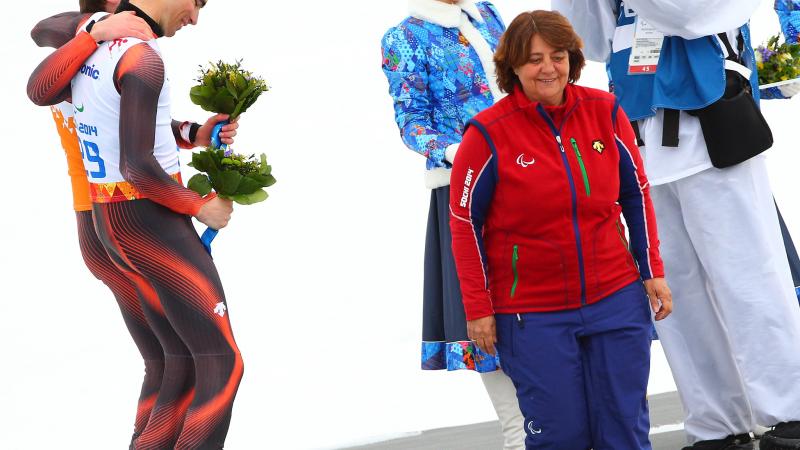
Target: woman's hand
<point x="203" y="138"/>
<point x="660" y="297"/>
<point x="122" y="25"/>
<point x="483" y="332"/>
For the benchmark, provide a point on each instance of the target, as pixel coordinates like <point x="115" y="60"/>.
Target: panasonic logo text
<point x="90" y="72"/>
<point x="467" y="184"/>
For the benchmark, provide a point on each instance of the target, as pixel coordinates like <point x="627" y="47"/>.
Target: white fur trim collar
<point x="436" y="178"/>
<point x="445" y="14"/>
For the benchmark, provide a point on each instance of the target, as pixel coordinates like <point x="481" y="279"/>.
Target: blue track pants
<point x="581" y="375"/>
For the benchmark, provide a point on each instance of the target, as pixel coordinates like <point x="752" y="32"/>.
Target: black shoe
<point x="738" y="442"/>
<point x="785" y="436"/>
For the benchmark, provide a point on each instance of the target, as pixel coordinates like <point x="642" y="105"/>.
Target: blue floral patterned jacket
<point x="436" y="78"/>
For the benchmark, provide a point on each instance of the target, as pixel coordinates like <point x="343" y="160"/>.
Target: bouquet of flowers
<point x="228" y="89"/>
<point x="233" y="176"/>
<point x="778" y="69"/>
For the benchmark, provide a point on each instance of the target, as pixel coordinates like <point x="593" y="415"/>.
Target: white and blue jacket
<point x="690" y="74"/>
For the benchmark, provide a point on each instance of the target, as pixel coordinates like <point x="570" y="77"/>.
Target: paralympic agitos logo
<point x="90" y="71"/>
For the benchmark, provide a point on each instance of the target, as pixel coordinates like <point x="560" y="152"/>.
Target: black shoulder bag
<point x="733" y="126"/>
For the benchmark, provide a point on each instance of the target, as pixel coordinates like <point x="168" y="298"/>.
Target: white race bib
<point x="646" y="50"/>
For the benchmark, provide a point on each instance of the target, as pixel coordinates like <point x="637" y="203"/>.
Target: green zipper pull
<point x="583" y="167"/>
<point x="514" y="259"/>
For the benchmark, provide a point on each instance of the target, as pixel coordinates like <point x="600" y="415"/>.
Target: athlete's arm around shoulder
<point x="49" y="82"/>
<point x="57" y="30"/>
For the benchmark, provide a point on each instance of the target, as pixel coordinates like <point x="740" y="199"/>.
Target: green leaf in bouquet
<point x="202" y="96"/>
<point x="201" y="161"/>
<point x="207" y="92"/>
<point x="263" y="180"/>
<point x="195" y="92"/>
<point x="251" y="90"/>
<point x="248" y="102"/>
<point x="248" y="185"/>
<point x="249" y="199"/>
<point x="231" y="89"/>
<point x="237" y="110"/>
<point x="200" y="184"/>
<point x="227" y="182"/>
<point x="264" y="168"/>
<point x="240" y="82"/>
<point x="224" y="102"/>
<point x="196" y="99"/>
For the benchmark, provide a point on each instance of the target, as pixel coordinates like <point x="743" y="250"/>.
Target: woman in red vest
<point x="546" y="271"/>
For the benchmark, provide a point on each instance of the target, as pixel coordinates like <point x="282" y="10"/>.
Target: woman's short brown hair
<point x="92" y="6"/>
<point x="515" y="45"/>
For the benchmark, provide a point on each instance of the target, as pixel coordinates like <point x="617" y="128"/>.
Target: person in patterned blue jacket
<point x="440" y="69"/>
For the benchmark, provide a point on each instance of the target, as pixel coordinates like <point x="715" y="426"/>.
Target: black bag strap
<point x="733" y="55"/>
<point x="635" y="126"/>
<point x="669" y="137"/>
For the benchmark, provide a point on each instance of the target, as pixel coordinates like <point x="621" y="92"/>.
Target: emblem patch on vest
<point x="521" y="160"/>
<point x="598" y="145"/>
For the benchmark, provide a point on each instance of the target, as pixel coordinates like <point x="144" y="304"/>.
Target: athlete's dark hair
<point x="92" y="6"/>
<point x="515" y="45"/>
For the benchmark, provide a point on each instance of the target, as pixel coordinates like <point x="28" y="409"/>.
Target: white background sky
<point x="323" y="280"/>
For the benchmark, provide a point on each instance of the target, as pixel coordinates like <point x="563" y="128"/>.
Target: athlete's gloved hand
<point x="483" y="331"/>
<point x="216" y="213"/>
<point x="226" y="135"/>
<point x="660" y="297"/>
<point x="122" y="25"/>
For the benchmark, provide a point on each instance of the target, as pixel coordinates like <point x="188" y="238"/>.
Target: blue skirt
<point x="445" y="344"/>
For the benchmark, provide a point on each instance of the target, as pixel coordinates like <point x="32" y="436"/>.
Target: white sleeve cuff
<point x="184" y="129"/>
<point x="94" y="18"/>
<point x="450" y="153"/>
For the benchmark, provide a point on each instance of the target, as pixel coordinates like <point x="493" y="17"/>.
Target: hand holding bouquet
<point x="778" y="69"/>
<point x="228" y="89"/>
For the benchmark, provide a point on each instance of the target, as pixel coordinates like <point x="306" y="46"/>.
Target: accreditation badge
<point x="646" y="50"/>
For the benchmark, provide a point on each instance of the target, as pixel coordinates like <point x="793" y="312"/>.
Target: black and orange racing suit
<point x="151" y="239"/>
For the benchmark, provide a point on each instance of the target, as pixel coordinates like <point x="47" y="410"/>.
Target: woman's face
<point x="546" y="73"/>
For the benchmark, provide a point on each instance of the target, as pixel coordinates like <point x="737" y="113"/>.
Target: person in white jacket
<point x="733" y="340"/>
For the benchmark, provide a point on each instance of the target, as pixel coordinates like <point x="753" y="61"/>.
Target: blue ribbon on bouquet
<point x="210" y="233"/>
